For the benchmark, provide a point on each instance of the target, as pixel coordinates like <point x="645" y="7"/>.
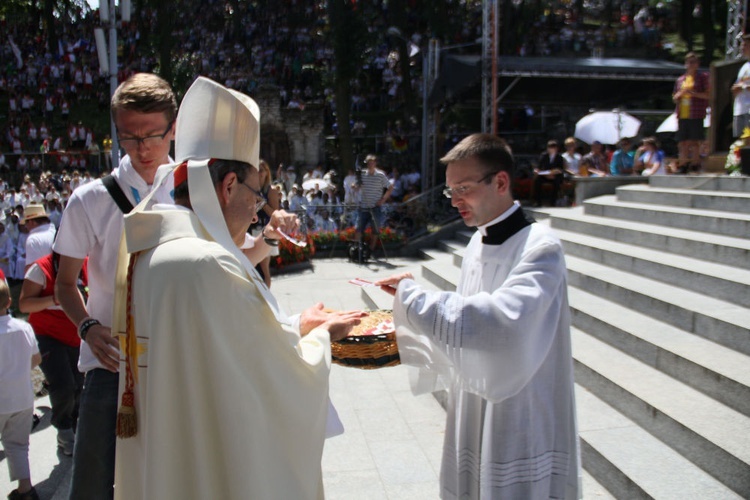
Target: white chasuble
<point x="501" y="346"/>
<point x="231" y="402"/>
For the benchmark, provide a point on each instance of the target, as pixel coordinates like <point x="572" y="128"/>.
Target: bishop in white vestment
<point x="500" y="345"/>
<point x="231" y="401"/>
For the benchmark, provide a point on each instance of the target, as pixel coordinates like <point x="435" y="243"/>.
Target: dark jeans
<point x="369" y="217"/>
<point x="556" y="182"/>
<point x="60" y="368"/>
<point x="94" y="453"/>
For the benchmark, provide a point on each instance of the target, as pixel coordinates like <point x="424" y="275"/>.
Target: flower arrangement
<point x="387" y="235"/>
<point x="733" y="166"/>
<point x="324" y="239"/>
<point x="290" y="253"/>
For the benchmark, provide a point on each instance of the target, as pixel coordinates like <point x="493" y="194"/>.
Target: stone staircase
<point x="659" y="288"/>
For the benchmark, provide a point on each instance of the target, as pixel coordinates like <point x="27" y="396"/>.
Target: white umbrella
<point x="320" y="184"/>
<point x="670" y="124"/>
<point x="607" y="127"/>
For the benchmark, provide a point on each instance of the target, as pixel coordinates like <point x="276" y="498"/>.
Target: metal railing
<point x="399" y="222"/>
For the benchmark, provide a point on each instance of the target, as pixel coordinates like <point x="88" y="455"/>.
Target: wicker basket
<point x="366" y="351"/>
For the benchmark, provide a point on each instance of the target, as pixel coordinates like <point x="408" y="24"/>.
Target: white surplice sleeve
<point x="492" y="342"/>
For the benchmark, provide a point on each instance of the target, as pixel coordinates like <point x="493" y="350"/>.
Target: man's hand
<point x="338" y="323"/>
<point x="104" y="347"/>
<point x="281" y="219"/>
<point x="390" y="283"/>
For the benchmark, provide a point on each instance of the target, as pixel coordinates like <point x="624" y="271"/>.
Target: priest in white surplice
<point x="500" y="344"/>
<point x="229" y="395"/>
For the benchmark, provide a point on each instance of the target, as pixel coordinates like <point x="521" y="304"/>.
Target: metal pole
<point x="493" y="101"/>
<point x="425" y="76"/>
<point x="434" y="123"/>
<point x="113" y="78"/>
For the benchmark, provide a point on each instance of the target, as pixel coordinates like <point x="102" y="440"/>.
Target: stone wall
<point x="289" y="136"/>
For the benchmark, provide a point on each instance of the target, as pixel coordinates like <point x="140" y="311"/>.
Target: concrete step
<point x="717" y="280"/>
<point x="727" y="250"/>
<point x="708" y="221"/>
<point x="454" y="248"/>
<point x="593" y="489"/>
<point x="676" y="414"/>
<point x="441" y="272"/>
<point x="715" y="370"/>
<point x="703" y="182"/>
<point x="688" y="198"/>
<point x="714" y="319"/>
<point x="633" y="463"/>
<point x="464" y="235"/>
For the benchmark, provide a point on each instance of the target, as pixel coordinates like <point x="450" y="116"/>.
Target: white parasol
<point x="317" y="184"/>
<point x="607" y="127"/>
<point x="670" y="124"/>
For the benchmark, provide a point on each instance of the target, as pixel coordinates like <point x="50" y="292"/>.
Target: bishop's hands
<point x="281" y="219"/>
<point x="338" y="323"/>
<point x="390" y="284"/>
<point x="104" y="347"/>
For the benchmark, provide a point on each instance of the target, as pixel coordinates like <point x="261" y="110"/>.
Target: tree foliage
<point x="348" y="37"/>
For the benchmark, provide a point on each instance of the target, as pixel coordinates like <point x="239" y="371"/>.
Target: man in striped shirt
<point x="374" y="189"/>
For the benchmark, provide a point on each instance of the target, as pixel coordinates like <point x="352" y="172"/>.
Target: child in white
<point x="18" y="355"/>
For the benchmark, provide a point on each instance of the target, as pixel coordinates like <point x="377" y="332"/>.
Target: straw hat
<point x="217" y="122"/>
<point x="33" y="211"/>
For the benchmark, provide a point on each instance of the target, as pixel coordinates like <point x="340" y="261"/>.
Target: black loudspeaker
<point x="359" y="252"/>
<point x="745" y="161"/>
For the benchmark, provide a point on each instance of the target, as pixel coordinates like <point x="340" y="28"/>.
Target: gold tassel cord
<point x="127" y="421"/>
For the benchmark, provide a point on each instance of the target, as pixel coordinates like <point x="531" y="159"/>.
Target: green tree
<point x="347" y="33"/>
<point x="398" y="19"/>
<point x="164" y="39"/>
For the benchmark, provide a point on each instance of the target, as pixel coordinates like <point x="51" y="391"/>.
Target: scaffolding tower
<point x="489" y="66"/>
<point x="736" y="17"/>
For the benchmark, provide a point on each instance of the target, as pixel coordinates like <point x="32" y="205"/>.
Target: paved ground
<point x="391" y="447"/>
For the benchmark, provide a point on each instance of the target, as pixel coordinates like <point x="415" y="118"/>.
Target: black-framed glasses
<point x="147" y="142"/>
<point x="261" y="199"/>
<point x="462" y="190"/>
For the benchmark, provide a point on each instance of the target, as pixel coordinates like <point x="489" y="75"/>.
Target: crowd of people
<point x="554" y="168"/>
<point x="562" y="32"/>
<point x="43" y="85"/>
<point x="42" y="89"/>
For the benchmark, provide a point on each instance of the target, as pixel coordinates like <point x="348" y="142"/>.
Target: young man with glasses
<point x="501" y="342"/>
<point x="144" y="110"/>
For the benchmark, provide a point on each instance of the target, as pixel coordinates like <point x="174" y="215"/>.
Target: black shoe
<point x="35" y="421"/>
<point x="29" y="495"/>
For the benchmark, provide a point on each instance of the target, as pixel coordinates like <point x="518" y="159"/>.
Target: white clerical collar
<point x="249" y="240"/>
<point x="483" y="228"/>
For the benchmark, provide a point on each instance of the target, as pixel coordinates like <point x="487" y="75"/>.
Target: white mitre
<point x="217" y="122"/>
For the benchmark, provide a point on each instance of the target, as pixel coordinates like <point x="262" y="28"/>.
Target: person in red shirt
<point x="58" y="342"/>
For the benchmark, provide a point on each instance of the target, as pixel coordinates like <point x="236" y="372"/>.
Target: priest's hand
<point x="390" y="284"/>
<point x="105" y="347"/>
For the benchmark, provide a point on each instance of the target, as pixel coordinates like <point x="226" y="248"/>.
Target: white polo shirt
<point x="92" y="225"/>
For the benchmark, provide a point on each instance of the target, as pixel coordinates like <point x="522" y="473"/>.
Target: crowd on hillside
<point x="282" y="44"/>
<point x="561" y="31"/>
